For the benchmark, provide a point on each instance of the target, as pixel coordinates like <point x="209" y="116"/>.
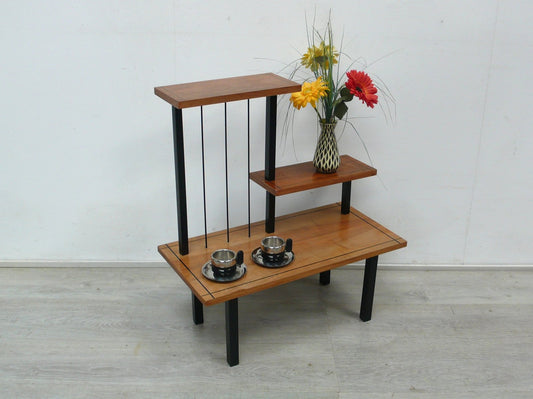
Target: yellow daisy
<point x="310" y="94"/>
<point x="319" y="56"/>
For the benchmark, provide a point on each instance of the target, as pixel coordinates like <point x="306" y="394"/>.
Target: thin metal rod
<point x="249" y="219"/>
<point x="181" y="192"/>
<point x="226" y="164"/>
<point x="203" y="173"/>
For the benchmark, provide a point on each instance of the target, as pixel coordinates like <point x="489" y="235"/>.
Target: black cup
<point x="273" y="248"/>
<point x="224" y="271"/>
<point x="225" y="261"/>
<point x="274" y="258"/>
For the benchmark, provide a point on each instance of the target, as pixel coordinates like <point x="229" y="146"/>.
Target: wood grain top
<point x="302" y="176"/>
<point x="323" y="239"/>
<point x="216" y="91"/>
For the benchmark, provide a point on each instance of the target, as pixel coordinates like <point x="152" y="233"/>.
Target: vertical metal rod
<point x="232" y="332"/>
<point x="203" y="172"/>
<point x="270" y="160"/>
<point x="369" y="283"/>
<point x="197" y="310"/>
<point x="226" y="164"/>
<point x="346" y="194"/>
<point x="179" y="167"/>
<point x="248" y="119"/>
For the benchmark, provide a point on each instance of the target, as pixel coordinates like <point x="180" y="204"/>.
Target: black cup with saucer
<point x="225" y="266"/>
<point x="274" y="252"/>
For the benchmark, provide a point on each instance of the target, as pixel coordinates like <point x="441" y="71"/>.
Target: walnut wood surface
<point x="225" y="90"/>
<point x="302" y="176"/>
<point x="323" y="239"/>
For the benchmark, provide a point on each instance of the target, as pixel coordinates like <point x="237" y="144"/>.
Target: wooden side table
<point x="324" y="238"/>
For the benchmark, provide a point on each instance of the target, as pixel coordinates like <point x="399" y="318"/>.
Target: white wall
<point x="86" y="165"/>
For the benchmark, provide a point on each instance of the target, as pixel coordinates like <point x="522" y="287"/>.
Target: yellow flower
<point x="310" y="93"/>
<point x="319" y="56"/>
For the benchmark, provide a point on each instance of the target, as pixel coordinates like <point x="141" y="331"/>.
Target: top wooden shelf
<point x="225" y="90"/>
<point x="302" y="176"/>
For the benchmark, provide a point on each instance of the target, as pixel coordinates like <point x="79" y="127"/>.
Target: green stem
<point x="318" y="113"/>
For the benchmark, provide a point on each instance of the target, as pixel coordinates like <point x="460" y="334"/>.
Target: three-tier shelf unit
<point x="323" y="238"/>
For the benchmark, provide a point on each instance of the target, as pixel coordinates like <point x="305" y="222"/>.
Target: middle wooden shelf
<point x="302" y="176"/>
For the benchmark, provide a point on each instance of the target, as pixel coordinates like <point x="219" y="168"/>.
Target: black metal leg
<point x="270" y="217"/>
<point x="270" y="159"/>
<point x="197" y="310"/>
<point x="325" y="277"/>
<point x="270" y="138"/>
<point x="346" y="194"/>
<point x="232" y="332"/>
<point x="371" y="266"/>
<point x="179" y="165"/>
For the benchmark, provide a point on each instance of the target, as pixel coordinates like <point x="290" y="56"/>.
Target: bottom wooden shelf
<point x="323" y="239"/>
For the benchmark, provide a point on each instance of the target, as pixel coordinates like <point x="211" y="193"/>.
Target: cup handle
<point x="288" y="245"/>
<point x="240" y="258"/>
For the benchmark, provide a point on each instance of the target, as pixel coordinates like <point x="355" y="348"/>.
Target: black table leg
<point x="325" y="277"/>
<point x="197" y="310"/>
<point x="346" y="194"/>
<point x="270" y="160"/>
<point x="181" y="191"/>
<point x="232" y="332"/>
<point x="371" y="266"/>
<point x="270" y="217"/>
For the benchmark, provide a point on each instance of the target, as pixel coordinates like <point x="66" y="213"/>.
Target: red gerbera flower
<point x="361" y="86"/>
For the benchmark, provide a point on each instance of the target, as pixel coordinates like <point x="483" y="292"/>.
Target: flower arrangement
<point x="328" y="94"/>
<point x="328" y="91"/>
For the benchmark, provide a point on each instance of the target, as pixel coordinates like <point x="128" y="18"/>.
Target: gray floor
<point x="127" y="333"/>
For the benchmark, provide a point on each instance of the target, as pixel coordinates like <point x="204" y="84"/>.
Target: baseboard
<point x="155" y="264"/>
<point x="79" y="263"/>
<point x="445" y="267"/>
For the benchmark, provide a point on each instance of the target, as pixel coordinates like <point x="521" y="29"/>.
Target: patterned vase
<point x="327" y="159"/>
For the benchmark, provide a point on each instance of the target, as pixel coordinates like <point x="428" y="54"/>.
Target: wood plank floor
<point x="128" y="333"/>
